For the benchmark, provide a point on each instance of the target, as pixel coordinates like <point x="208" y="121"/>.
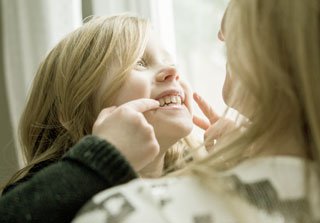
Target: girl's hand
<point x="215" y="126"/>
<point x="127" y="129"/>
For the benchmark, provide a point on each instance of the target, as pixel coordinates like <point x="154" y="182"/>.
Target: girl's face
<point x="155" y="76"/>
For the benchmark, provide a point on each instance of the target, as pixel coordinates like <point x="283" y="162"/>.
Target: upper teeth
<point x="174" y="99"/>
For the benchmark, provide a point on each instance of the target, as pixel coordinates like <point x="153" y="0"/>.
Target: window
<point x="200" y="54"/>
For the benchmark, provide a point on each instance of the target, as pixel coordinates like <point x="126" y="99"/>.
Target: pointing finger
<point x="203" y="124"/>
<point x="206" y="108"/>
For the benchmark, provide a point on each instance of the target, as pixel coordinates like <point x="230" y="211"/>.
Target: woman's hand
<point x="215" y="126"/>
<point x="127" y="129"/>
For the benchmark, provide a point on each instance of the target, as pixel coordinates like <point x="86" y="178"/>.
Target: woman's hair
<point x="273" y="51"/>
<point x="64" y="103"/>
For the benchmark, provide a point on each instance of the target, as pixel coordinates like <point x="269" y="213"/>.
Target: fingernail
<point x="197" y="96"/>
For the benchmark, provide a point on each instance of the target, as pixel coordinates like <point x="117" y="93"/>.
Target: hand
<point x="215" y="126"/>
<point x="127" y="129"/>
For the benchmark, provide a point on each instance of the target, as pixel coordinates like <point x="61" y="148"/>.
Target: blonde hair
<point x="273" y="50"/>
<point x="63" y="103"/>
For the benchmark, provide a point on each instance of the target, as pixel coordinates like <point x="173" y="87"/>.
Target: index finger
<point x="142" y="104"/>
<point x="206" y="108"/>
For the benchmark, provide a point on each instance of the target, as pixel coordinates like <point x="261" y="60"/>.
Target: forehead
<point x="223" y="21"/>
<point x="155" y="47"/>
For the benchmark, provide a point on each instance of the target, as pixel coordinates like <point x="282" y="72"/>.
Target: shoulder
<point x="180" y="199"/>
<point x="287" y="186"/>
<point x="269" y="189"/>
<point x="35" y="169"/>
<point x="286" y="175"/>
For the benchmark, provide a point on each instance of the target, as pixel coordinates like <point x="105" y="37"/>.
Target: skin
<point x="214" y="125"/>
<point x="118" y="125"/>
<point x="155" y="76"/>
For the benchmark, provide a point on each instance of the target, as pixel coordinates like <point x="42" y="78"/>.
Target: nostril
<point x="171" y="77"/>
<point x="168" y="74"/>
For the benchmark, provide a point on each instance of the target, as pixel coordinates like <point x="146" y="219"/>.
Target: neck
<point x="155" y="168"/>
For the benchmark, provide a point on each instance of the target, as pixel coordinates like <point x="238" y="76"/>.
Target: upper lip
<point x="172" y="92"/>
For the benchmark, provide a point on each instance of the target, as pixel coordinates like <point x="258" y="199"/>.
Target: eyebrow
<point x="149" y="57"/>
<point x="166" y="54"/>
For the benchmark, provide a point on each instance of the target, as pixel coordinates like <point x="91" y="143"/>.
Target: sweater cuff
<point x="103" y="158"/>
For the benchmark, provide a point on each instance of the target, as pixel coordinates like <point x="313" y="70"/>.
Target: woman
<point x="267" y="168"/>
<point x="109" y="61"/>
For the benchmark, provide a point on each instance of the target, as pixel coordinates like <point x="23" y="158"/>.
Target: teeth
<point x="162" y="102"/>
<point x="173" y="99"/>
<point x="170" y="100"/>
<point x="179" y="100"/>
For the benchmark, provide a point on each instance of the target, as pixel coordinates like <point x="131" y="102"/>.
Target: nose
<point x="167" y="74"/>
<point x="220" y="36"/>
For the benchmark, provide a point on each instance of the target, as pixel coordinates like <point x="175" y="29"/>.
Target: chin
<point x="173" y="130"/>
<point x="170" y="127"/>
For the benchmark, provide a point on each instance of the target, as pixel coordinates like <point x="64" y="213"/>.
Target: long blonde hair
<point x="273" y="50"/>
<point x="63" y="103"/>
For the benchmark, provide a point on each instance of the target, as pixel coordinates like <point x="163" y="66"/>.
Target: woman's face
<point x="228" y="85"/>
<point x="226" y="91"/>
<point x="233" y="91"/>
<point x="156" y="76"/>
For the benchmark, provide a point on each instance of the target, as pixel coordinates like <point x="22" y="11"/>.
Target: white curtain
<point x="30" y="28"/>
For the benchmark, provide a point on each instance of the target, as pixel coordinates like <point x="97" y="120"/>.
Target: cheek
<point x="232" y="92"/>
<point x="226" y="89"/>
<point x="188" y="95"/>
<point x="134" y="88"/>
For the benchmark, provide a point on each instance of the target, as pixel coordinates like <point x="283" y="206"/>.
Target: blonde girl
<point x="73" y="146"/>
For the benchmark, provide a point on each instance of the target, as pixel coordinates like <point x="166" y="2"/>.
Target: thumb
<point x="142" y="104"/>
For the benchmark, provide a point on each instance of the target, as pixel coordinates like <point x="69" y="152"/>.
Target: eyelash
<point x="141" y="62"/>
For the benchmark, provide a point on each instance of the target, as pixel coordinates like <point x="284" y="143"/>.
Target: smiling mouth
<point x="170" y="100"/>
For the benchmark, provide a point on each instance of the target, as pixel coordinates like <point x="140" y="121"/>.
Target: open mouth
<point x="170" y="100"/>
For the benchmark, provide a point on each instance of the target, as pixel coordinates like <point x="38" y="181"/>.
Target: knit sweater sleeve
<point x="57" y="192"/>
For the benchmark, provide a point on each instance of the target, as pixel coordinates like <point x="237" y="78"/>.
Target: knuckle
<point x="149" y="130"/>
<point x="140" y="116"/>
<point x="154" y="148"/>
<point x="139" y="119"/>
<point x="122" y="110"/>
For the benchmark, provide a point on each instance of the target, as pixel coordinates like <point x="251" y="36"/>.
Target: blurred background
<point x="30" y="28"/>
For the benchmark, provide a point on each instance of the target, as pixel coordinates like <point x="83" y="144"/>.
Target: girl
<point x="115" y="61"/>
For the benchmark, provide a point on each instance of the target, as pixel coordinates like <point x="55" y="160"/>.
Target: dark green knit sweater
<point x="55" y="192"/>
